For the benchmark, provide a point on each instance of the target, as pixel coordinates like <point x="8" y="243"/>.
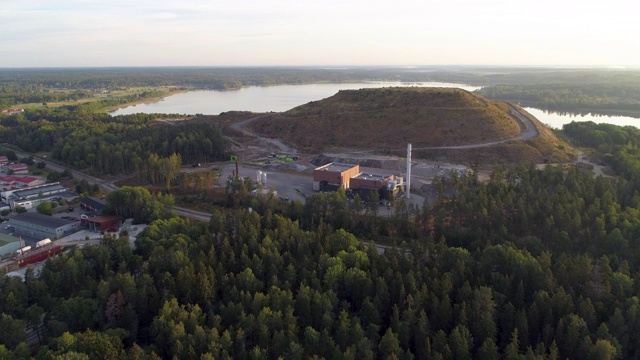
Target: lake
<point x="556" y="120"/>
<point x="259" y="98"/>
<point x="285" y="97"/>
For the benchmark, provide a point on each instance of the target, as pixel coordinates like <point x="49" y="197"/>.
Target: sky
<point x="97" y="33"/>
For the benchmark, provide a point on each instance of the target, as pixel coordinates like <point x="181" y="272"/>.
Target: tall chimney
<point x="408" y="181"/>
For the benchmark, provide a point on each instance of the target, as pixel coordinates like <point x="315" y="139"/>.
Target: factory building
<point x="332" y="176"/>
<point x="38" y="226"/>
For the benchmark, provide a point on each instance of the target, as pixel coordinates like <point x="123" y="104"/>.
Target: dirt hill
<point x="387" y="119"/>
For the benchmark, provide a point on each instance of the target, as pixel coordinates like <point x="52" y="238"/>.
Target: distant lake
<point x="259" y="98"/>
<point x="556" y="120"/>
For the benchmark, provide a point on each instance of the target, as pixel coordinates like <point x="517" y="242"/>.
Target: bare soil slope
<point x="380" y="118"/>
<point x="387" y="119"/>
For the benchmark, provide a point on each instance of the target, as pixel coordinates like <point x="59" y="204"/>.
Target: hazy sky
<point x="44" y="33"/>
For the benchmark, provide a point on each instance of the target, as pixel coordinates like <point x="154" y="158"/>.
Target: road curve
<point x="529" y="131"/>
<point x="240" y="126"/>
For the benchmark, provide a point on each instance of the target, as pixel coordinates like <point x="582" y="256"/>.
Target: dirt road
<point x="529" y="131"/>
<point x="240" y="126"/>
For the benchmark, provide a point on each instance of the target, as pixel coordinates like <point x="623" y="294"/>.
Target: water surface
<point x="556" y="120"/>
<point x="285" y="97"/>
<point x="259" y="98"/>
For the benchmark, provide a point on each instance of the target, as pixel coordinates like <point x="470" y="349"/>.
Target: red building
<point x="20" y="168"/>
<point x="103" y="223"/>
<point x="334" y="175"/>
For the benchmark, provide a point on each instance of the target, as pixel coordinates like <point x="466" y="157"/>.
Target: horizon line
<point x="325" y="67"/>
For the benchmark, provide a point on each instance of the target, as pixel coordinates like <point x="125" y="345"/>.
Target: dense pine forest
<point x="102" y="144"/>
<point x="533" y="264"/>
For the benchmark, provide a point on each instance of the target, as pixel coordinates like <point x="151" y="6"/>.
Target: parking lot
<point x="288" y="185"/>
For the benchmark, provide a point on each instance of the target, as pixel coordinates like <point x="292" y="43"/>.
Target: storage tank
<point x="23" y="250"/>
<point x="258" y="177"/>
<point x="43" y="242"/>
<point x="264" y="179"/>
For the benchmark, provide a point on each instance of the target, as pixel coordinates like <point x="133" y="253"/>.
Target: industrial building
<point x="383" y="184"/>
<point x="103" y="223"/>
<point x="38" y="226"/>
<point x="92" y="205"/>
<point x="332" y="176"/>
<point x="18" y="182"/>
<point x="19" y="168"/>
<point x="32" y="196"/>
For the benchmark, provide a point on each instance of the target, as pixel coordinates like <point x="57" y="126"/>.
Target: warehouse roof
<point x="93" y="203"/>
<point x="39" y="189"/>
<point x="40" y="220"/>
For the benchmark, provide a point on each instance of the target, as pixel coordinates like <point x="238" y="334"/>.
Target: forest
<point x="533" y="264"/>
<point x="617" y="145"/>
<point x="101" y="144"/>
<point x="603" y="98"/>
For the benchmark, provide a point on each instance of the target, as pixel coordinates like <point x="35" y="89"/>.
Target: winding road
<point x="529" y="131"/>
<point x="240" y="126"/>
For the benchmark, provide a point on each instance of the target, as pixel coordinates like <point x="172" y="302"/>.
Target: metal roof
<point x="6" y="239"/>
<point x="40" y="220"/>
<point x="369" y="176"/>
<point x="38" y="189"/>
<point x="93" y="203"/>
<point x="336" y="167"/>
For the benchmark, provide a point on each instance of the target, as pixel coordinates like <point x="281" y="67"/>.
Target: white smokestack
<point x="408" y="186"/>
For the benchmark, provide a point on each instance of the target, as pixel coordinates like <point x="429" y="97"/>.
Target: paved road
<point x="107" y="185"/>
<point x="192" y="214"/>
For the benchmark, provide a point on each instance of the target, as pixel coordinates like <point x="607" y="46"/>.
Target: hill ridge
<point x="381" y="119"/>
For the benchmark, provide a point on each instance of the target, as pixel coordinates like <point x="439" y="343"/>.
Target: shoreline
<point x="110" y="109"/>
